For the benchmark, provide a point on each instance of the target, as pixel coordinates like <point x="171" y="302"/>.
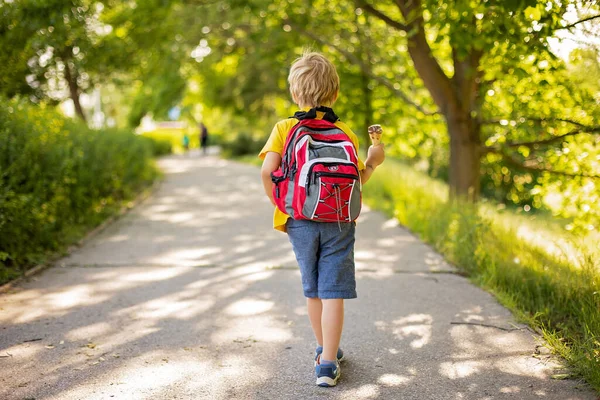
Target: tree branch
<point x="555" y="138"/>
<point x="579" y="22"/>
<point x="536" y="119"/>
<point x="434" y="78"/>
<point x="355" y="60"/>
<point x="389" y="21"/>
<point x="486" y="325"/>
<point x="537" y="168"/>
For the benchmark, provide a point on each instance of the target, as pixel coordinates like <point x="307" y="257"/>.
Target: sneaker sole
<point x="326" y="381"/>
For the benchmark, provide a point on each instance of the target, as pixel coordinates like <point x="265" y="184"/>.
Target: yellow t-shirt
<point x="276" y="142"/>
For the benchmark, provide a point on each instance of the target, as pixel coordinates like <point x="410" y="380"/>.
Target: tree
<point x="476" y="34"/>
<point x="46" y="46"/>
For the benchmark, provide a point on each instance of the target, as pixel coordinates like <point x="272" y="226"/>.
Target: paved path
<point x="193" y="296"/>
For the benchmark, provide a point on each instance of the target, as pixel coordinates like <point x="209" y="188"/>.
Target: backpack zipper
<point x="332" y="174"/>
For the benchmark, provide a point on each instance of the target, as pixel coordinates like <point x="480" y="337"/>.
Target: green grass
<point x="555" y="291"/>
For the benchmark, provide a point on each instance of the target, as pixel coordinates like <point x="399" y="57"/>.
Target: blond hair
<point x="313" y="80"/>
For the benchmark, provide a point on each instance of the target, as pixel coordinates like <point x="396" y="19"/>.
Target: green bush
<point x="159" y="146"/>
<point x="557" y="293"/>
<point x="241" y="144"/>
<point x="58" y="178"/>
<point x="171" y="136"/>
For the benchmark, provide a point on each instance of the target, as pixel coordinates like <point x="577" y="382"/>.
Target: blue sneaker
<point x="319" y="350"/>
<point x="328" y="375"/>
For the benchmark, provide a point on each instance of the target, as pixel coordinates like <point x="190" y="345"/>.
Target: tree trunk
<point x="365" y="56"/>
<point x="71" y="79"/>
<point x="368" y="109"/>
<point x="465" y="158"/>
<point x="454" y="97"/>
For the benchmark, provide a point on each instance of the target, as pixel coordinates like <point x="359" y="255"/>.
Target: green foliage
<point x="242" y="144"/>
<point x="43" y="42"/>
<point x="160" y="146"/>
<point x="58" y="178"/>
<point x="549" y="290"/>
<point x="524" y="93"/>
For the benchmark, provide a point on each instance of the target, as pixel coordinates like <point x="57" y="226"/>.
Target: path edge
<point x="124" y="210"/>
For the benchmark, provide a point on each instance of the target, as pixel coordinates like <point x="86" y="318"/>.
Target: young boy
<point x="324" y="251"/>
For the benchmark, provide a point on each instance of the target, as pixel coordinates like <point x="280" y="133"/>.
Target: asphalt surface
<point x="192" y="295"/>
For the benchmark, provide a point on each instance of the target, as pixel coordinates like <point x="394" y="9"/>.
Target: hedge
<point x="58" y="179"/>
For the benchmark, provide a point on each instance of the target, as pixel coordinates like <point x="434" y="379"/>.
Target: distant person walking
<point x="186" y="142"/>
<point x="203" y="137"/>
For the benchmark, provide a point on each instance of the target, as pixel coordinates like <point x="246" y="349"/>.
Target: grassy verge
<point x="557" y="292"/>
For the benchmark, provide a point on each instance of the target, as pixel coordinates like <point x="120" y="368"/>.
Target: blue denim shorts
<point x="325" y="254"/>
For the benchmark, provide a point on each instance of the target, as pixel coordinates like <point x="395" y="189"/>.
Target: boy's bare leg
<point x="332" y="321"/>
<point x="315" y="309"/>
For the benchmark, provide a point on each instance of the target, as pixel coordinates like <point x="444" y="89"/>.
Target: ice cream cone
<point x="375" y="133"/>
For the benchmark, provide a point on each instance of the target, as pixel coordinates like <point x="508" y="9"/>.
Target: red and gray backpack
<point x="319" y="178"/>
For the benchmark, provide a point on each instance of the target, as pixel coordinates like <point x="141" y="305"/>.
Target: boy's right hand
<point x="375" y="155"/>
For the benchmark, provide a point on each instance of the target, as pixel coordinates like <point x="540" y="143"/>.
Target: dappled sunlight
<point x="53" y="304"/>
<point x="394" y="380"/>
<point x="155" y="274"/>
<point x="144" y="378"/>
<point x="248" y="306"/>
<point x="78" y="295"/>
<point x="172" y="217"/>
<point x="168" y="307"/>
<point x="165" y="238"/>
<point x="553" y="245"/>
<point x="159" y="374"/>
<point x="137" y="330"/>
<point x="473" y="318"/>
<point x="485" y="340"/>
<point x="382" y="243"/>
<point x="472" y="310"/>
<point x="391" y="223"/>
<point x="510" y="389"/>
<point x="518" y="365"/>
<point x="117" y="238"/>
<point x="173" y="165"/>
<point x="460" y="369"/>
<point x="181" y="217"/>
<point x="433" y="259"/>
<point x="258" y="276"/>
<point x="365" y="255"/>
<point x="301" y="310"/>
<point x="160" y="208"/>
<point x="387" y="242"/>
<point x="189" y="257"/>
<point x="264" y="328"/>
<point x="244" y="238"/>
<point x="368" y="391"/>
<point x="418" y="325"/>
<point x="245" y="248"/>
<point x="23" y="351"/>
<point x="89" y="331"/>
